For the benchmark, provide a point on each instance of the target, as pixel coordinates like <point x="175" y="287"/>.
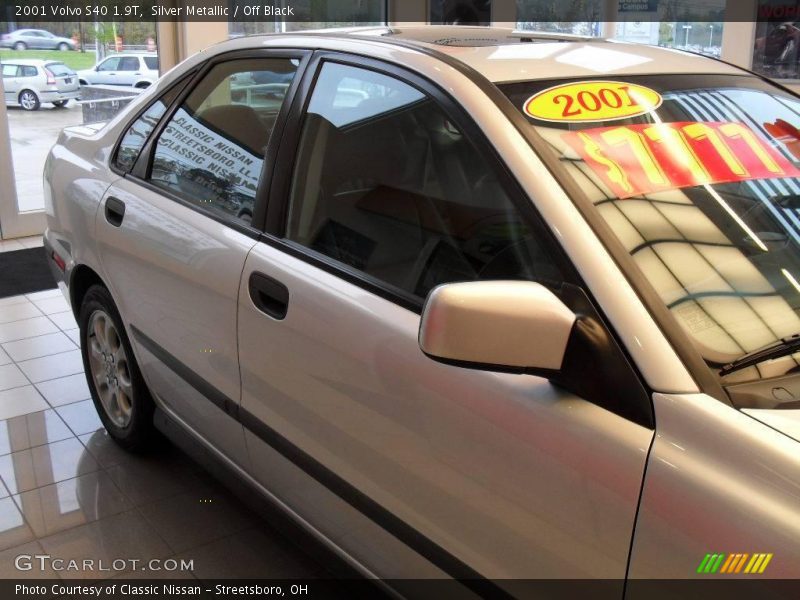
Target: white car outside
<point x="136" y="70"/>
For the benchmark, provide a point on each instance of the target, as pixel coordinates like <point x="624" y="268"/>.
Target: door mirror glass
<point x="516" y="326"/>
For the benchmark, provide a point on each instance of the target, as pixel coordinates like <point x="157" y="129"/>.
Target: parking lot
<point x="32" y="136"/>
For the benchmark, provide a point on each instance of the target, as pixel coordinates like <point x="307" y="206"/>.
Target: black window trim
<point x="183" y="81"/>
<point x="143" y="165"/>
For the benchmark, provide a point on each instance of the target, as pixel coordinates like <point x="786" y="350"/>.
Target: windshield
<point x="698" y="176"/>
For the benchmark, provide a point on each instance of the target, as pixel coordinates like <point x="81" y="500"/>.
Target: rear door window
<point x="212" y="151"/>
<point x="129" y="63"/>
<point x="135" y="137"/>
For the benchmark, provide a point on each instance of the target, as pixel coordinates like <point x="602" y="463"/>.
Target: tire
<point x="118" y="390"/>
<point x="60" y="103"/>
<point x="28" y="100"/>
<point x="19" y="46"/>
<point x="63" y="47"/>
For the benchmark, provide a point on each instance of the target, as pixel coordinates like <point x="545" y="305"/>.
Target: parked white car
<point x="136" y="70"/>
<point x="30" y="82"/>
<point x="507" y="306"/>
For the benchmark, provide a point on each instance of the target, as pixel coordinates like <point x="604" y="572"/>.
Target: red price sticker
<point x="640" y="159"/>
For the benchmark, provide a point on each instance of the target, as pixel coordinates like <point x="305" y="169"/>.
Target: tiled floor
<point x="67" y="490"/>
<point x="34" y="241"/>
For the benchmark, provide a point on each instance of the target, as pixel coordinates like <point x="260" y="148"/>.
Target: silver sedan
<point x="493" y="307"/>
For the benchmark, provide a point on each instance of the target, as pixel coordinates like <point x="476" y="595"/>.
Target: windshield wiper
<point x="783" y="347"/>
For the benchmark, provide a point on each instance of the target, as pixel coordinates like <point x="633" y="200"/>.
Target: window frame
<point x="128" y="59"/>
<point x="181" y="82"/>
<point x="104" y="61"/>
<point x="143" y="165"/>
<point x="279" y="194"/>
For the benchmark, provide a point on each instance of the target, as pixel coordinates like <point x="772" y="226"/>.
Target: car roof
<point x="31" y="62"/>
<point x="506" y="55"/>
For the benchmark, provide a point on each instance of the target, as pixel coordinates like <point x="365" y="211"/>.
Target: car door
<point x="173" y="246"/>
<point x="36" y="39"/>
<point x="128" y="70"/>
<point x="414" y="467"/>
<point x="106" y="71"/>
<point x="10" y="82"/>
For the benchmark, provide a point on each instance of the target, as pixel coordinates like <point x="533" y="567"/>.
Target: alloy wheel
<point x="28" y="100"/>
<point x="109" y="367"/>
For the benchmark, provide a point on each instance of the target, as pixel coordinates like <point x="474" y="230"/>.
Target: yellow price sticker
<point x="590" y="101"/>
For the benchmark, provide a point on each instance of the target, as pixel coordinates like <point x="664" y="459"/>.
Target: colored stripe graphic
<point x="734" y="563"/>
<point x="754" y="563"/>
<point x="741" y="563"/>
<point x="703" y="563"/>
<point x="764" y="564"/>
<point x="727" y="564"/>
<point x="717" y="563"/>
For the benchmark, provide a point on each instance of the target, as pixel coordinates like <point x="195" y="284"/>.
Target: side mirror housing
<point x="511" y="326"/>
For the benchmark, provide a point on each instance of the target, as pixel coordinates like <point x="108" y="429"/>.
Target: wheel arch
<point x="83" y="277"/>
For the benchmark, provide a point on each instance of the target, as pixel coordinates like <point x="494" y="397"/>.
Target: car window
<point x="128" y="63"/>
<point x="109" y="64"/>
<point x="59" y="69"/>
<point x="135" y="137"/>
<point x="212" y="150"/>
<point x="386" y="183"/>
<point x="28" y="71"/>
<point x="10" y="70"/>
<point x="151" y="62"/>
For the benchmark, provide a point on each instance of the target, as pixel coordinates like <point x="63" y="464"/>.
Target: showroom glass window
<point x="776" y="51"/>
<point x="385" y="183"/>
<point x="140" y="130"/>
<point x="212" y="150"/>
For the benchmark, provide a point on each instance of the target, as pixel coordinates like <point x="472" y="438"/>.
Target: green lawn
<point x="73" y="59"/>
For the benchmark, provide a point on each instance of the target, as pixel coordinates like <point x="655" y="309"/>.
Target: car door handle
<point x="270" y="296"/>
<point x="115" y="211"/>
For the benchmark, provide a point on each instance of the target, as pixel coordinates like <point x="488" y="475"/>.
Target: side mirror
<point x="512" y="326"/>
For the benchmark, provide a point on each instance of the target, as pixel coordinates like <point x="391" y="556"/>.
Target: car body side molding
<point x="393" y="524"/>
